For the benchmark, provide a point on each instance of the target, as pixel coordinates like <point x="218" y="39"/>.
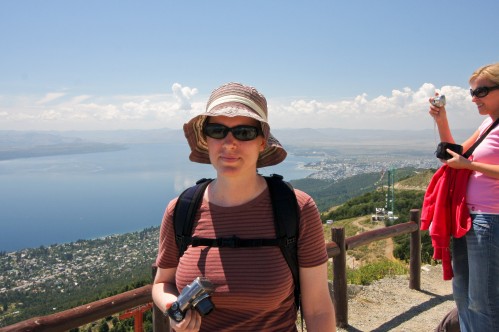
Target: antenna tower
<point x="390" y="195"/>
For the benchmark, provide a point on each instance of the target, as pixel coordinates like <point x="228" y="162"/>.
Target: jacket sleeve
<point x="436" y="217"/>
<point x="440" y="229"/>
<point x="430" y="199"/>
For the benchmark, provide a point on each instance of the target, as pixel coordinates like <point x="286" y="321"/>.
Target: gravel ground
<point x="389" y="304"/>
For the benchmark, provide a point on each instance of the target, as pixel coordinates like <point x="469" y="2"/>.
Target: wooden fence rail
<point x="336" y="250"/>
<point x="87" y="313"/>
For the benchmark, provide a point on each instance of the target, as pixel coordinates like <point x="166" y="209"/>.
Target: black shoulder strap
<point x="286" y="216"/>
<point x="480" y="139"/>
<point x="185" y="211"/>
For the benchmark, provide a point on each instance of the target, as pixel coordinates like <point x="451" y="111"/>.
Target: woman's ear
<point x="263" y="145"/>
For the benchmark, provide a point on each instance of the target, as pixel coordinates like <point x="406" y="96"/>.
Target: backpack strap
<point x="286" y="216"/>
<point x="185" y="211"/>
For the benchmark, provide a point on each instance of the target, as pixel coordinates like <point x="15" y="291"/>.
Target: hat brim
<point x="273" y="153"/>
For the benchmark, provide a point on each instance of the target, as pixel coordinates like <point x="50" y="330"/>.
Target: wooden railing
<point x="87" y="313"/>
<point x="336" y="250"/>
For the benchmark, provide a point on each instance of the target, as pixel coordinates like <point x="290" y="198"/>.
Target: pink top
<point x="483" y="191"/>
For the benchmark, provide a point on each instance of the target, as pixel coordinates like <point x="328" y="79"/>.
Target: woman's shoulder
<point x="485" y="123"/>
<point x="303" y="198"/>
<point x="171" y="206"/>
<point x="300" y="193"/>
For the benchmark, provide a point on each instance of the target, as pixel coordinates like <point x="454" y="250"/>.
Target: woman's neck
<point x="235" y="191"/>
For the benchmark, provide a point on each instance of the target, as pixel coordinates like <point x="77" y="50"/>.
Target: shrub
<point x="368" y="273"/>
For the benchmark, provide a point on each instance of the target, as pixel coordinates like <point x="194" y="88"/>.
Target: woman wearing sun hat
<point x="253" y="286"/>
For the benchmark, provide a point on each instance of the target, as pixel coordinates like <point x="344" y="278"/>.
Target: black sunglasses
<point x="482" y="91"/>
<point x="241" y="132"/>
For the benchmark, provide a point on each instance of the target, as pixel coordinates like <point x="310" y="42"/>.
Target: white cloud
<point x="50" y="97"/>
<point x="183" y="95"/>
<point x="79" y="99"/>
<point x="50" y="115"/>
<point x="402" y="109"/>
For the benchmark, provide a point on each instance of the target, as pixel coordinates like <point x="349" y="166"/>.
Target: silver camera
<point x="438" y="101"/>
<point x="193" y="296"/>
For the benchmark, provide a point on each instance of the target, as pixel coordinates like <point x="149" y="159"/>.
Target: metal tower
<point x="390" y="195"/>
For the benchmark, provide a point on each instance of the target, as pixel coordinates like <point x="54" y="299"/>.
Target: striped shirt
<point x="253" y="286"/>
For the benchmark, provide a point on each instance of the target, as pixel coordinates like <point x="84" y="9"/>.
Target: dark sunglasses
<point x="482" y="91"/>
<point x="241" y="132"/>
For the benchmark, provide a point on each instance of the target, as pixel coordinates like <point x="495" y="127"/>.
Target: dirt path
<point x="389" y="304"/>
<point x="388" y="248"/>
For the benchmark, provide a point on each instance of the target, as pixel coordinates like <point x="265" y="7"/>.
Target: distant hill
<point x="328" y="194"/>
<point x="419" y="181"/>
<point x="22" y="144"/>
<point x="378" y="140"/>
<point x="15" y="145"/>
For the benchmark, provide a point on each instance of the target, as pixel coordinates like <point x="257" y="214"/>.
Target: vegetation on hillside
<point x="365" y="205"/>
<point x="45" y="280"/>
<point x="368" y="273"/>
<point x="328" y="193"/>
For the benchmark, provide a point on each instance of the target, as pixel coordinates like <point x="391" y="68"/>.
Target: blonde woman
<point x="475" y="256"/>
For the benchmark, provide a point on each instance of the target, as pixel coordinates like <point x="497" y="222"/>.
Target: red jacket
<point x="444" y="207"/>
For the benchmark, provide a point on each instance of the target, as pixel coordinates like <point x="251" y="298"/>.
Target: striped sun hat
<point x="234" y="99"/>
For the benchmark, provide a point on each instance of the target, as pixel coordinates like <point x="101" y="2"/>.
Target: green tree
<point x="103" y="326"/>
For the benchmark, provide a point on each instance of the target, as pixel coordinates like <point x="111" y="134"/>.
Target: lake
<point x="57" y="199"/>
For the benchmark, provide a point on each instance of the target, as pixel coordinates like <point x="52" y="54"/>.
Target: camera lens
<point x="175" y="313"/>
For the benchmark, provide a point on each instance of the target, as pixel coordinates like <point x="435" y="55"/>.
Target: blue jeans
<point x="475" y="260"/>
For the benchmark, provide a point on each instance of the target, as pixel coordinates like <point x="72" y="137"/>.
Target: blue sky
<point x="78" y="65"/>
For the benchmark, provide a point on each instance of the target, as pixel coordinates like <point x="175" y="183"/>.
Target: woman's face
<point x="230" y="156"/>
<point x="488" y="105"/>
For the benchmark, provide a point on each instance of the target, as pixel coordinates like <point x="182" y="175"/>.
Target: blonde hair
<point x="490" y="72"/>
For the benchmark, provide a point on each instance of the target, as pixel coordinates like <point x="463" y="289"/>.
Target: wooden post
<point x="340" y="278"/>
<point x="415" y="253"/>
<point x="159" y="322"/>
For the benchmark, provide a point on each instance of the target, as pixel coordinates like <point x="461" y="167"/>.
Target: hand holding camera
<point x="438" y="101"/>
<point x="442" y="147"/>
<point x="437" y="109"/>
<point x="193" y="296"/>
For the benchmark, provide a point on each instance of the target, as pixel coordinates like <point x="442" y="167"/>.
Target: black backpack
<point x="286" y="219"/>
